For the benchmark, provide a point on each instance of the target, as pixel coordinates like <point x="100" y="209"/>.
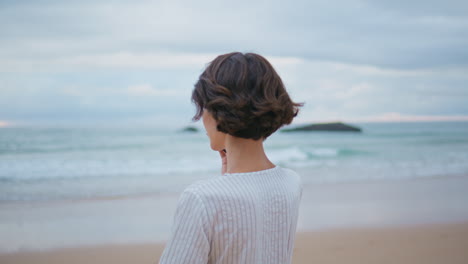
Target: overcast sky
<point x="353" y="61"/>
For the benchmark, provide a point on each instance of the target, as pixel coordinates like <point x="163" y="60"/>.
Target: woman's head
<point x="244" y="95"/>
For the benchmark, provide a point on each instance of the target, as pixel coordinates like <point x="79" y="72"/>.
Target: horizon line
<point x="387" y="118"/>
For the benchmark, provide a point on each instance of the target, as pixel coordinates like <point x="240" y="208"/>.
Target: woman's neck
<point x="246" y="155"/>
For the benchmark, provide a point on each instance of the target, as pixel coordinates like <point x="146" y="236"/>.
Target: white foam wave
<point x="287" y="155"/>
<point x="324" y="152"/>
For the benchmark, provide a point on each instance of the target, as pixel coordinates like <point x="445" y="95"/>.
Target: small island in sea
<point x="189" y="129"/>
<point x="334" y="126"/>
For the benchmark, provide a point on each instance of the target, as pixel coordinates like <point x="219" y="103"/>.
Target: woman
<point x="249" y="213"/>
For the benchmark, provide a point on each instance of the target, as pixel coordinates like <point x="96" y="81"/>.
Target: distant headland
<point x="335" y="126"/>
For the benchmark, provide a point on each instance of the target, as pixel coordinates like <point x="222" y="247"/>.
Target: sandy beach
<point x="434" y="243"/>
<point x="411" y="221"/>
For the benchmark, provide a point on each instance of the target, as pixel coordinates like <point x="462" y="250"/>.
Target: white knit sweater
<point x="237" y="218"/>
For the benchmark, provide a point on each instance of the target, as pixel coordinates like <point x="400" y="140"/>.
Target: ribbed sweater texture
<point x="236" y="218"/>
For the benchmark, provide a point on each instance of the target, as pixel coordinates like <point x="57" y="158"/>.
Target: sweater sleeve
<point x="189" y="241"/>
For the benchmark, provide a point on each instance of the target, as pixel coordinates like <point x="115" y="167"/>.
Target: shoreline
<point x="422" y="243"/>
<point x="324" y="207"/>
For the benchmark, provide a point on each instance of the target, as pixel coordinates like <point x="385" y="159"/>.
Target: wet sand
<point x="429" y="243"/>
<point x="411" y="221"/>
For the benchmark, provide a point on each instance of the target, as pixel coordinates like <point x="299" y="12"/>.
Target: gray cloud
<point x="348" y="59"/>
<point x="392" y="34"/>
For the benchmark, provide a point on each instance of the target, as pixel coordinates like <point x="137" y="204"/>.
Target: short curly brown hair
<point x="245" y="95"/>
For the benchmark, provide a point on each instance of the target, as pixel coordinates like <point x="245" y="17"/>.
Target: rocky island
<point x="189" y="129"/>
<point x="335" y="126"/>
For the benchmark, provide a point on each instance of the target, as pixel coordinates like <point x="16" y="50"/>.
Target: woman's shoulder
<point x="201" y="186"/>
<point x="213" y="184"/>
<point x="293" y="174"/>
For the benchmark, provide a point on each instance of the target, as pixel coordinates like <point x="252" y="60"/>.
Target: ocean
<point x="60" y="163"/>
<point x="78" y="186"/>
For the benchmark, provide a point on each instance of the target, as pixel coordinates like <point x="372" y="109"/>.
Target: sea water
<point x="87" y="185"/>
<point x="58" y="163"/>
